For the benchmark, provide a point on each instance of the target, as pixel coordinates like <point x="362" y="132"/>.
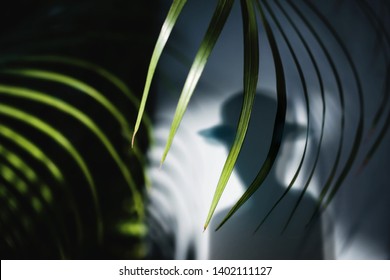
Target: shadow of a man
<point x="236" y="239"/>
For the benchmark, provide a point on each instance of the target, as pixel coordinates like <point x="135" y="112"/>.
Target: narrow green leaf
<point x="278" y="125"/>
<point x="165" y="32"/>
<point x="51" y="132"/>
<point x="85" y="120"/>
<point x="78" y="85"/>
<point x="109" y="76"/>
<point x="251" y="72"/>
<point x="217" y="22"/>
<point x="88" y="66"/>
<point x="33" y="150"/>
<point x="65" y="144"/>
<point x="112" y="78"/>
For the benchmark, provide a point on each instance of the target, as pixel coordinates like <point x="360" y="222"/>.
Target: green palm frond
<point x="251" y="70"/>
<point x="26" y="94"/>
<point x="69" y="78"/>
<point x="68" y="181"/>
<point x="166" y="30"/>
<point x="307" y="22"/>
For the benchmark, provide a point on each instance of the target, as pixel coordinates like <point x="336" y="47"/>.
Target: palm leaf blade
<point x="166" y="30"/>
<point x="251" y="70"/>
<point x="278" y="125"/>
<point x="217" y="22"/>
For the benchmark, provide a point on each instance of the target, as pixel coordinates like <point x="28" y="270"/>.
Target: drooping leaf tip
<point x="132" y="140"/>
<point x="132" y="143"/>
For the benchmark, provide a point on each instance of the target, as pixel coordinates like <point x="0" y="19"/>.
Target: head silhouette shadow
<point x="236" y="239"/>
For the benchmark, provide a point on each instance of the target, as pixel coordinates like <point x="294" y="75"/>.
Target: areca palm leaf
<point x="69" y="181"/>
<point x="322" y="44"/>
